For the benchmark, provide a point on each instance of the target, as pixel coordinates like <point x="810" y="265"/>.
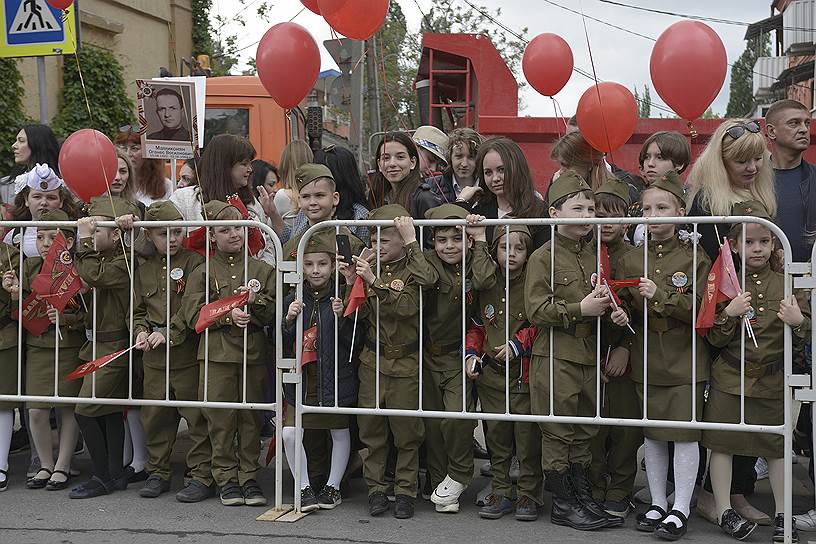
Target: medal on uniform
<point x="397" y="285"/>
<point x="65" y="258"/>
<point x="490" y="313"/>
<point x="750" y="315"/>
<point x="177" y="275"/>
<point x="680" y="281"/>
<point x="254" y="285"/>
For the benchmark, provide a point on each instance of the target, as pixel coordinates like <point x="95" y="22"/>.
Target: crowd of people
<point x="528" y="297"/>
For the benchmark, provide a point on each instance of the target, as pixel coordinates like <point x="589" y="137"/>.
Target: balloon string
<point x="555" y="114"/>
<point x="595" y="77"/>
<point x="559" y="116"/>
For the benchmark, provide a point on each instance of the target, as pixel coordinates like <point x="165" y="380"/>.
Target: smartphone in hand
<point x="344" y="247"/>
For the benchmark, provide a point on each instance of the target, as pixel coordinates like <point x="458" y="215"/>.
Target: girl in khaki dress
<point x="763" y="302"/>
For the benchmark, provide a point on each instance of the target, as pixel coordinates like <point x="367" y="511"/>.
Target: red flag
<point x="730" y="286"/>
<point x="92" y="366"/>
<point x="623" y="284"/>
<point x="309" y="353"/>
<point x="721" y="285"/>
<point x="35" y="316"/>
<point x="58" y="281"/>
<point x="606" y="270"/>
<point x="196" y="240"/>
<point x="211" y="312"/>
<point x="357" y="297"/>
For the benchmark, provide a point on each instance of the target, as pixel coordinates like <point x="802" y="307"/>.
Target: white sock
<point x="341" y="447"/>
<point x="137" y="439"/>
<point x="686" y="461"/>
<point x="6" y="428"/>
<point x="290" y="442"/>
<point x="657" y="469"/>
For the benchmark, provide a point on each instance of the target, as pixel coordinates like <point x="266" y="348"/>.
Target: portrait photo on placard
<point x="168" y="119"/>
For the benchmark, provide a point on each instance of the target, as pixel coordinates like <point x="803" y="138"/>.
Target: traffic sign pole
<point x="43" y="90"/>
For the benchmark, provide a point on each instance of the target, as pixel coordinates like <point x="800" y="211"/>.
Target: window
<point x="226" y="121"/>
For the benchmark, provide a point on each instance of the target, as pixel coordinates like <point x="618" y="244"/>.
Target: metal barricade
<point x="293" y="368"/>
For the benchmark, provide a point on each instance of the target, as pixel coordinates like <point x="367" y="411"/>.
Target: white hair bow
<point x="691" y="237"/>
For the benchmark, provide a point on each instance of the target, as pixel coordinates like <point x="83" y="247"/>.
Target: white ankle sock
<point x="6" y="428"/>
<point x="686" y="461"/>
<point x="290" y="442"/>
<point x="137" y="438"/>
<point x="341" y="447"/>
<point x="657" y="469"/>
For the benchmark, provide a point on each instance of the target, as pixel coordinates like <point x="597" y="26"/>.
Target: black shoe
<point x="670" y="531"/>
<point x="39" y="483"/>
<point x="90" y="489"/>
<point x="378" y="503"/>
<point x="4" y="483"/>
<point x="134" y="476"/>
<point x="19" y="441"/>
<point x="308" y="501"/>
<point x="526" y="509"/>
<point x="479" y="452"/>
<point x="403" y="506"/>
<point x="194" y="491"/>
<point x="735" y="525"/>
<point x="779" y="530"/>
<point x="231" y="494"/>
<point x="253" y="494"/>
<point x="154" y="486"/>
<point x="80" y="446"/>
<point x="567" y="509"/>
<point x="120" y="483"/>
<point x="583" y="492"/>
<point x="329" y="497"/>
<point x="646" y="524"/>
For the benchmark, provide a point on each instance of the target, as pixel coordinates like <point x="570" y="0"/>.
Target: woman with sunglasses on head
<point x="149" y="181"/>
<point x="734" y="167"/>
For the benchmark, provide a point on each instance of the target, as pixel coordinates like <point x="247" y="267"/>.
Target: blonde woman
<point x="294" y="155"/>
<point x="734" y="167"/>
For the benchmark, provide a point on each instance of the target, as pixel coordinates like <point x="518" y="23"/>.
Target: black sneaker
<point x="253" y="494"/>
<point x="495" y="506"/>
<point x="378" y="503"/>
<point x="779" y="530"/>
<point x="308" y="501"/>
<point x="526" y="509"/>
<point x="19" y="441"/>
<point x="735" y="525"/>
<point x="329" y="497"/>
<point x="403" y="506"/>
<point x="194" y="491"/>
<point x="154" y="486"/>
<point x="231" y="494"/>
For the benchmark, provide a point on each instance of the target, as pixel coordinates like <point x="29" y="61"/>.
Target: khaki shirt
<point x="558" y="304"/>
<point x="226" y="340"/>
<point x="612" y="335"/>
<point x="108" y="273"/>
<point x="8" y="327"/>
<point x="767" y="290"/>
<point x="670" y="266"/>
<point x="150" y="307"/>
<point x="71" y="322"/>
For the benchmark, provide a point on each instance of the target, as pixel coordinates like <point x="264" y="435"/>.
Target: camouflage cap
<point x="498" y="232"/>
<point x="56" y="215"/>
<point x="309" y="172"/>
<point x="389" y="212"/>
<point x="111" y="207"/>
<point x="322" y="242"/>
<point x="215" y="207"/>
<point x="671" y="182"/>
<point x="446" y="211"/>
<point x="751" y="208"/>
<point x="616" y="187"/>
<point x="163" y="210"/>
<point x="567" y="184"/>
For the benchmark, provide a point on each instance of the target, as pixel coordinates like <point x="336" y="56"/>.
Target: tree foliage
<point x="12" y="113"/>
<point x="104" y="81"/>
<point x="210" y="35"/>
<point x="741" y="101"/>
<point x="644" y="102"/>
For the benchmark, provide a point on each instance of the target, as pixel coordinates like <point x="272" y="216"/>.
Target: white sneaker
<point x="807" y="521"/>
<point x="761" y="468"/>
<point x="446" y="495"/>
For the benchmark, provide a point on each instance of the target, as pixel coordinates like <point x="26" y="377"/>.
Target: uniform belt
<point x="442" y="349"/>
<point x="753" y="370"/>
<point x="663" y="324"/>
<point x="107" y="336"/>
<point x="581" y="330"/>
<point x="394" y="352"/>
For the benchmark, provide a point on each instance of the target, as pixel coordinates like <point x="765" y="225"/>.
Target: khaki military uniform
<point x="40" y="349"/>
<point x="614" y="449"/>
<point x="8" y="331"/>
<point x="108" y="272"/>
<point x="449" y="442"/>
<point x="394" y="296"/>
<point x="150" y="315"/>
<point x="220" y="356"/>
<point x="764" y="368"/>
<point x="494" y="306"/>
<point x="557" y="304"/>
<point x="669" y="377"/>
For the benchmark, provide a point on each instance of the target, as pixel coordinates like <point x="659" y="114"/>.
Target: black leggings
<point x="105" y="438"/>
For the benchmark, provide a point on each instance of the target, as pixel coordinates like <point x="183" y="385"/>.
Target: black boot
<point x="567" y="509"/>
<point x="583" y="491"/>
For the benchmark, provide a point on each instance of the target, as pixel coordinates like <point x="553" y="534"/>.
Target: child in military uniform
<point x="40" y="365"/>
<point x="668" y="290"/>
<point x="393" y="304"/>
<point x="614" y="449"/>
<point x="499" y="302"/>
<point x="321" y="310"/>
<point x="221" y="349"/>
<point x="563" y="303"/>
<point x="449" y="442"/>
<point x="102" y="263"/>
<point x="10" y="259"/>
<point x="169" y="267"/>
<point x="764" y="304"/>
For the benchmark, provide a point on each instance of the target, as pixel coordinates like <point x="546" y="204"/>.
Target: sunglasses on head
<point x="738" y="130"/>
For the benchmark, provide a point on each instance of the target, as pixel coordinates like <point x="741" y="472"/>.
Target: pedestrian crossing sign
<point x="33" y="28"/>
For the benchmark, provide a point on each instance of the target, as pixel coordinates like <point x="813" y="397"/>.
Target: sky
<point x="618" y="56"/>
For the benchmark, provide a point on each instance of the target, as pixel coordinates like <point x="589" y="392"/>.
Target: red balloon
<point x="355" y="19"/>
<point x="288" y="63"/>
<point x="88" y="163"/>
<point x="547" y="63"/>
<point x="607" y="114"/>
<point x="60" y="4"/>
<point x="688" y="67"/>
<point x="310" y="4"/>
